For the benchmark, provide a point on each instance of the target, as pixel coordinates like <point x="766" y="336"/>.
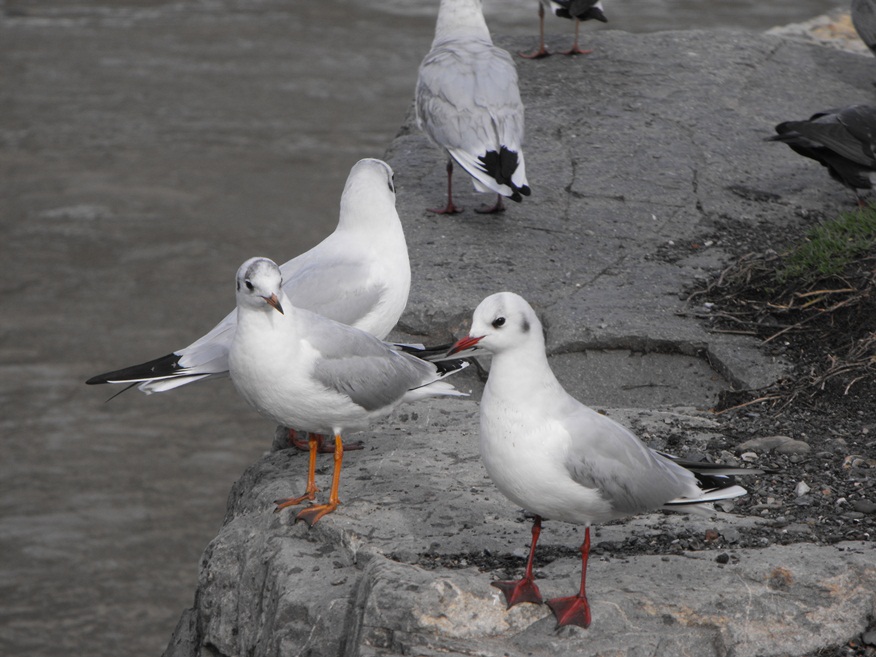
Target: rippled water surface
<point x="146" y="149"/>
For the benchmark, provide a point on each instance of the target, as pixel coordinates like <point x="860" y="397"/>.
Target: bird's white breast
<point x="524" y="452"/>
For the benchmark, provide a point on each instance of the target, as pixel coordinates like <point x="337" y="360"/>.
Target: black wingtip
<point x="501" y="167"/>
<point x="160" y="367"/>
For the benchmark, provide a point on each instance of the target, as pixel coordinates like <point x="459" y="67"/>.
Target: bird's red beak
<point x="275" y="302"/>
<point x="464" y="343"/>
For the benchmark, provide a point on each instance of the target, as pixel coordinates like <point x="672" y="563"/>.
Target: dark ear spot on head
<point x="526" y="326"/>
<point x="238" y="286"/>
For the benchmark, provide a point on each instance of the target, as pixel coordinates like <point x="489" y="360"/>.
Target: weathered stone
<point x="269" y="587"/>
<point x="864" y="506"/>
<point x="779" y="444"/>
<point x="635" y="153"/>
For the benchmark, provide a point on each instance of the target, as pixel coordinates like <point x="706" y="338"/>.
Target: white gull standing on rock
<point x="561" y="460"/>
<point x="577" y="10"/>
<point x="468" y="103"/>
<point x="359" y="275"/>
<point x="306" y="371"/>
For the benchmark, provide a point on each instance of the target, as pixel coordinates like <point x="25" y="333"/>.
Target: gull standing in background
<point x="306" y="371"/>
<point x="359" y="275"/>
<point x="561" y="460"/>
<point x="577" y="10"/>
<point x="468" y="103"/>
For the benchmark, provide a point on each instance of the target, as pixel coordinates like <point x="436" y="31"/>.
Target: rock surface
<point x="646" y="160"/>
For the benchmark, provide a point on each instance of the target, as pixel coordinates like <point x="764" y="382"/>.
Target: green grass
<point x="831" y="247"/>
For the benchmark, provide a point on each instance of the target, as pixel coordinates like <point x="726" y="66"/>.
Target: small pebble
<point x="723" y="558"/>
<point x="864" y="506"/>
<point x="802" y="488"/>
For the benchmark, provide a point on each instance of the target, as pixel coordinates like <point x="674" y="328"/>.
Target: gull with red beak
<point x="306" y="371"/>
<point x="561" y="460"/>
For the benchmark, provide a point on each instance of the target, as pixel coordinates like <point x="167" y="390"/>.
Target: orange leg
<point x="304" y="445"/>
<point x="312" y="514"/>
<point x="314" y="441"/>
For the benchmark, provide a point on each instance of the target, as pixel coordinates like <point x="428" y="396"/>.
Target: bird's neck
<point x="256" y="321"/>
<point x="520" y="374"/>
<point x="367" y="217"/>
<point x="460" y="18"/>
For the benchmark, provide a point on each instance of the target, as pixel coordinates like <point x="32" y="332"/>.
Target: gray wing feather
<point x="630" y="476"/>
<point x="362" y="367"/>
<point x="468" y="99"/>
<point x="352" y="297"/>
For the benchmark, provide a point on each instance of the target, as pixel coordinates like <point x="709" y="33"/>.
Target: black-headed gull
<point x="468" y="103"/>
<point x="864" y="20"/>
<point x="359" y="275"/>
<point x="306" y="371"/>
<point x="843" y="140"/>
<point x="577" y="10"/>
<point x="561" y="460"/>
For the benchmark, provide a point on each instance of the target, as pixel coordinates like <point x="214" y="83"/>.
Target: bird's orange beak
<point x="275" y="302"/>
<point x="462" y="344"/>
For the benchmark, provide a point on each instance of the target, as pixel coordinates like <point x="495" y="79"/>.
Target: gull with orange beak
<point x="561" y="460"/>
<point x="306" y="371"/>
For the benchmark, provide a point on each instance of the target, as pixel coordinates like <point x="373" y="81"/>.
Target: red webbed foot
<point x="517" y="591"/>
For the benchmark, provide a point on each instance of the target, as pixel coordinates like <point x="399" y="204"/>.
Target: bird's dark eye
<point x="249" y="286"/>
<point x="498" y="322"/>
<point x="392" y="183"/>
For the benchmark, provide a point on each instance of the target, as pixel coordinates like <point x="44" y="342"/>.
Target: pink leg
<point x="575" y="50"/>
<point x="493" y="209"/>
<point x="450" y="208"/>
<point x="574" y="610"/>
<point x="542" y="51"/>
<point x="523" y="590"/>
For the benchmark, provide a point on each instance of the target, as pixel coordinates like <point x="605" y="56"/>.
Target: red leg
<point x="542" y="51"/>
<point x="523" y="590"/>
<point x="493" y="209"/>
<point x="574" y="610"/>
<point x="311" y="490"/>
<point x="575" y="50"/>
<point x="312" y="514"/>
<point x="449" y="208"/>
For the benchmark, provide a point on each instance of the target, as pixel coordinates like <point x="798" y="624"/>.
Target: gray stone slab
<point x="645" y="148"/>
<point x="355" y="583"/>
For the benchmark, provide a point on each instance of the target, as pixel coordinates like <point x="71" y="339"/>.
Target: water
<point x="146" y="148"/>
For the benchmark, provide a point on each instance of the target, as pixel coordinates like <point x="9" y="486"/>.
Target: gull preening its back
<point x="468" y="103"/>
<point x="843" y="140"/>
<point x="561" y="460"/>
<point x="359" y="275"/>
<point x="306" y="371"/>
